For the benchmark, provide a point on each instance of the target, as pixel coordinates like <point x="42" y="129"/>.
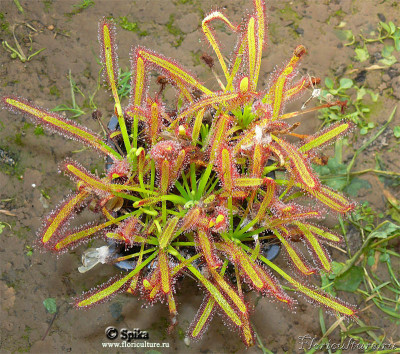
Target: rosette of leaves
<point x="188" y="188"/>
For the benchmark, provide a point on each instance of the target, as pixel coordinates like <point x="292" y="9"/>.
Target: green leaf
<point x="371" y="261"/>
<point x="374" y="96"/>
<point x="337" y="183"/>
<point x="361" y="93"/>
<point x="389" y="61"/>
<point x="204" y="179"/>
<point x="335" y="166"/>
<point x="387" y="51"/>
<point x="397" y="43"/>
<point x="385" y="26"/>
<point x="328" y="83"/>
<point x="361" y="330"/>
<point x="50" y="305"/>
<point x="392" y="27"/>
<point x="345" y="35"/>
<point x="336" y="268"/>
<point x="363" y="131"/>
<point x="321" y="170"/>
<point x="386" y="309"/>
<point x="350" y="280"/>
<point x="384" y="230"/>
<point x="362" y="54"/>
<point x="2" y="226"/>
<point x="394" y="214"/>
<point x="355" y="185"/>
<point x="396" y="131"/>
<point x="384" y="258"/>
<point x="346" y="83"/>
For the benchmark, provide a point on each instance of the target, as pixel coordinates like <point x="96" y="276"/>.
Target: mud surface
<point x="30" y="185"/>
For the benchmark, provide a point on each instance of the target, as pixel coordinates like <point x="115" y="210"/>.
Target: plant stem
<point x="19" y="7"/>
<point x="362" y="148"/>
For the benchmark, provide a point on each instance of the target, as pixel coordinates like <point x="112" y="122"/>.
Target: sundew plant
<point x="201" y="186"/>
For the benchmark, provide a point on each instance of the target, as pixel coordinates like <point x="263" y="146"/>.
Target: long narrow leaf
<point x="60" y="125"/>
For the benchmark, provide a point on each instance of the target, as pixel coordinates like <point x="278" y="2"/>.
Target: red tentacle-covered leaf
<point x="287" y="212"/>
<point x="79" y="174"/>
<point x="226" y="167"/>
<point x="207" y="103"/>
<point x="164" y="270"/>
<point x="144" y="59"/>
<point x="260" y="15"/>
<point x="295" y="256"/>
<point x="112" y="287"/>
<point x="191" y="219"/>
<point x="57" y="219"/>
<point x="133" y="111"/>
<point x="129" y="229"/>
<point x="218" y="134"/>
<point x="104" y="292"/>
<point x="326" y="136"/>
<point x="108" y="52"/>
<point x="299" y="167"/>
<point x="152" y="286"/>
<point x="208" y="31"/>
<point x="170" y="159"/>
<point x="228" y="170"/>
<point x="206" y="246"/>
<point x="322" y="232"/>
<point x="83" y="233"/>
<point x="268" y="198"/>
<point x="151" y="115"/>
<point x="316" y="249"/>
<point x="246" y="332"/>
<point x="220" y="222"/>
<point x="282" y="77"/>
<point x="155" y="123"/>
<point x="297" y="89"/>
<point x="57" y="124"/>
<point x="259" y="159"/>
<point x="203" y="317"/>
<point x="165" y="150"/>
<point x="332" y="199"/>
<point x="261" y="279"/>
<point x="231" y="294"/>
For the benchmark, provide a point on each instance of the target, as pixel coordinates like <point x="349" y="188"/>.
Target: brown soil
<point x="28" y="162"/>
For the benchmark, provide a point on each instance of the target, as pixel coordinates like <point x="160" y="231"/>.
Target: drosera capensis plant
<point x="203" y="185"/>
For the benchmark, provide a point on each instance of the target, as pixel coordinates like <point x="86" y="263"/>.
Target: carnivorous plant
<point x="203" y="185"/>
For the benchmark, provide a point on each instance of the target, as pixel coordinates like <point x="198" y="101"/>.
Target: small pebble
<point x="50" y="28"/>
<point x="393" y="72"/>
<point x="361" y="76"/>
<point x="382" y="17"/>
<point x="299" y="31"/>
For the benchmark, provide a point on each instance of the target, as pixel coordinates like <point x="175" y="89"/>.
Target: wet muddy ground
<point x="30" y="185"/>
